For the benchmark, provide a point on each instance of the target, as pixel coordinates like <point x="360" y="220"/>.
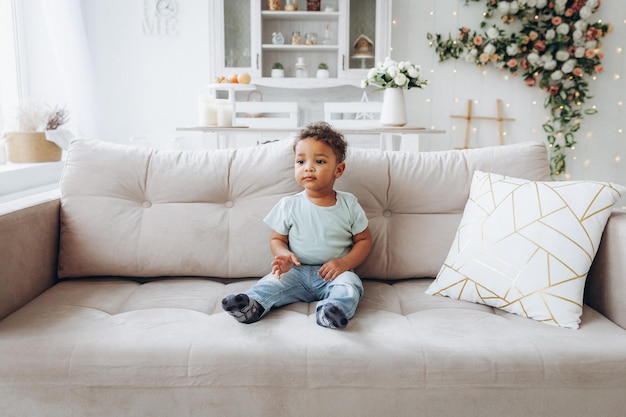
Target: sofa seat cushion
<point x="117" y="341"/>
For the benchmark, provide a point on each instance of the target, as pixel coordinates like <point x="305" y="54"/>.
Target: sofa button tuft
<point x="147" y="204"/>
<point x="229" y="204"/>
<point x="387" y="213"/>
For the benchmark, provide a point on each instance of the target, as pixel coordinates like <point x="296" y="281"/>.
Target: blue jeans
<point x="302" y="283"/>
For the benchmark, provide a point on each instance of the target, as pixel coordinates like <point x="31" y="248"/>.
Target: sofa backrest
<point x="140" y="212"/>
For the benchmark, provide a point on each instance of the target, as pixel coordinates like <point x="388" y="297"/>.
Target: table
<point x="385" y="132"/>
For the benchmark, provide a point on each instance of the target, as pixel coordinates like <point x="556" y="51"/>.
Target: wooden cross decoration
<point x="469" y="116"/>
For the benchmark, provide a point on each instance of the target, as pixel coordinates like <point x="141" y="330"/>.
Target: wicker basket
<point x="31" y="147"/>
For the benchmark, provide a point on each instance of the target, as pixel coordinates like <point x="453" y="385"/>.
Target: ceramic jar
<point x="273" y="4"/>
<point x="313" y="5"/>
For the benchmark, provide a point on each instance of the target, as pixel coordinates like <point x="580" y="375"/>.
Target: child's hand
<point x="283" y="263"/>
<point x="332" y="269"/>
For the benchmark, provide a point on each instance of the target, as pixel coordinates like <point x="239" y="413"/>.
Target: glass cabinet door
<point x="367" y="35"/>
<point x="237" y="34"/>
<point x="234" y="36"/>
<point x="362" y="34"/>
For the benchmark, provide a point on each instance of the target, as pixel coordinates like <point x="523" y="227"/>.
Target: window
<point x="10" y="80"/>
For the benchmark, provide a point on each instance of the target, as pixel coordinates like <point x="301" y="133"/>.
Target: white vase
<point x="393" y="112"/>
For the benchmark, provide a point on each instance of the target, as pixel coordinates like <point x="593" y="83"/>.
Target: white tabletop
<point x="373" y="130"/>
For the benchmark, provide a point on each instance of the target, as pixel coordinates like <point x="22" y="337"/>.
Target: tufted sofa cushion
<point x="142" y="213"/>
<point x="115" y="347"/>
<point x="414" y="201"/>
<point x="139" y="212"/>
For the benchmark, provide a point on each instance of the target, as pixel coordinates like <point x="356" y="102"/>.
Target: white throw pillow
<point x="526" y="246"/>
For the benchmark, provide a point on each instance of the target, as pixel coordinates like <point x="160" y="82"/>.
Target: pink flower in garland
<point x="540" y="45"/>
<point x="579" y="4"/>
<point x="553" y="89"/>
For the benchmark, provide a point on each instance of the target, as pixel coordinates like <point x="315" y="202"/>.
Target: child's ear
<point x="341" y="167"/>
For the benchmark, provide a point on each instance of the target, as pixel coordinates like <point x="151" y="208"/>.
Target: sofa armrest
<point x="606" y="283"/>
<point x="29" y="243"/>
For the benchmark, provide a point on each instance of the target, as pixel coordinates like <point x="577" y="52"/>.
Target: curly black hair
<point x="324" y="132"/>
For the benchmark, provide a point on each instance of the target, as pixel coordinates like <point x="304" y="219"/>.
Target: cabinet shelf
<point x="300" y="48"/>
<point x="286" y="82"/>
<point x="306" y="83"/>
<point x="300" y="16"/>
<point x="231" y="87"/>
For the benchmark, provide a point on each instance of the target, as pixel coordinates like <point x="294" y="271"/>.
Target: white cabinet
<point x="243" y="40"/>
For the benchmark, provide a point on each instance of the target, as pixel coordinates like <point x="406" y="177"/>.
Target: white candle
<point x="224" y="113"/>
<point x="3" y="152"/>
<point x="207" y="110"/>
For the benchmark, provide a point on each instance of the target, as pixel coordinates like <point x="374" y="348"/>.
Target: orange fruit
<point x="232" y="78"/>
<point x="243" y="78"/>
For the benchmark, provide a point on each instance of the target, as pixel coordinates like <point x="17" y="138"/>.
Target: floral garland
<point x="554" y="45"/>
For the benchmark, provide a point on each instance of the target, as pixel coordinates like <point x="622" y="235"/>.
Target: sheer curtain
<point x="67" y="36"/>
<point x="10" y="83"/>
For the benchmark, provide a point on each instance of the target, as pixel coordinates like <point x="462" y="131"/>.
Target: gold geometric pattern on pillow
<point x="526" y="247"/>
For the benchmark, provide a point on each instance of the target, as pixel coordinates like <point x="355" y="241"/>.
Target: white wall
<point x="148" y="85"/>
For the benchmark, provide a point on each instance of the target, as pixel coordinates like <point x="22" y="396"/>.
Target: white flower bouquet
<point x="392" y="74"/>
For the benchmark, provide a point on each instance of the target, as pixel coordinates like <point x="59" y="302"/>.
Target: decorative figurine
<point x="363" y="46"/>
<point x="364" y="50"/>
<point x="301" y="69"/>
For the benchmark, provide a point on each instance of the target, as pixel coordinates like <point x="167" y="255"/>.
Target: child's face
<point x="316" y="166"/>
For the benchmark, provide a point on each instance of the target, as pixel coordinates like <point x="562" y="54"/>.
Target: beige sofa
<point x="110" y="297"/>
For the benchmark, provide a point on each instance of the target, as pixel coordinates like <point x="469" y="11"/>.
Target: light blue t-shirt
<point x="318" y="234"/>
